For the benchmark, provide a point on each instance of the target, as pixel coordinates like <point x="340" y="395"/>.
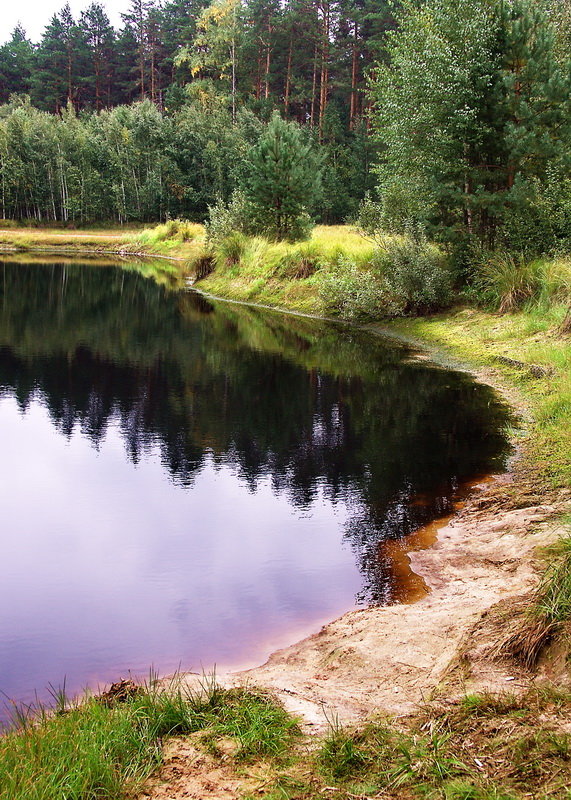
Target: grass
<point x="482" y="747"/>
<point x="178" y="238"/>
<point x="175" y="238"/>
<point x="283" y="274"/>
<point x="507" y="282"/>
<point x="98" y="239"/>
<point x="98" y="749"/>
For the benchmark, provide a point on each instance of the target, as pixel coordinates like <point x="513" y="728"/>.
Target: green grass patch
<point x="168" y="238"/>
<point x="98" y="749"/>
<point x="281" y="273"/>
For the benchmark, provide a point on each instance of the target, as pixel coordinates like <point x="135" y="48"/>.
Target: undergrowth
<point x="483" y="747"/>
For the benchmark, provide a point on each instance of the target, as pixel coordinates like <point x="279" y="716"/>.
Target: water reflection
<point x="188" y="475"/>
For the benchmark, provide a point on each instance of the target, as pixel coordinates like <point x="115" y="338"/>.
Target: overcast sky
<point x="35" y="14"/>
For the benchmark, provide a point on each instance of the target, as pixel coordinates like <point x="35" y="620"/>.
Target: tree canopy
<point x="473" y="114"/>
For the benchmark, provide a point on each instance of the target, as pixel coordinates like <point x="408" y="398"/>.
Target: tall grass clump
<point x="554" y="593"/>
<point x="230" y="251"/>
<point x="507" y="281"/>
<point x="172" y="232"/>
<point x="536" y="623"/>
<point x="300" y="261"/>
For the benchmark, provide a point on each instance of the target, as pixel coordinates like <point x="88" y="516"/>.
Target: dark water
<point x="194" y="483"/>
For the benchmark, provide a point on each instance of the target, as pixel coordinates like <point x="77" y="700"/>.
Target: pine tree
<point x="284" y="181"/>
<point x="16" y="65"/>
<point x="137" y="18"/>
<point x="100" y="41"/>
<point x="61" y="56"/>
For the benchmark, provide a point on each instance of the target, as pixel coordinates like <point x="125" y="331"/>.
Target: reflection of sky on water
<point x="107" y="566"/>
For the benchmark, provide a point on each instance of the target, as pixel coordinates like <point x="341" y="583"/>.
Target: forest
<point x="450" y="116"/>
<point x="153" y="120"/>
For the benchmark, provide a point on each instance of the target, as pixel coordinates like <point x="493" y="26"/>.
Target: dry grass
<point x="525" y="636"/>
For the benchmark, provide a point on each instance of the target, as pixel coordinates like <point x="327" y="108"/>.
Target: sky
<point x="34" y="15"/>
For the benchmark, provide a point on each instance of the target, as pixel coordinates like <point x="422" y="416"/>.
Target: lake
<point x="188" y="482"/>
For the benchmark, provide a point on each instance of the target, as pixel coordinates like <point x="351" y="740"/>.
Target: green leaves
<point x="283" y="181"/>
<point x="472" y="104"/>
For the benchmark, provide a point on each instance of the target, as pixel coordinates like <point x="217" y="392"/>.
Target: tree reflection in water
<point x="314" y="405"/>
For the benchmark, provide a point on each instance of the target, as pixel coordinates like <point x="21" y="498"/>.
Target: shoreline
<point x="389" y="659"/>
<point x="398" y="654"/>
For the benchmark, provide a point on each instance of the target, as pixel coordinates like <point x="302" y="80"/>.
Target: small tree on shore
<point x="283" y="181"/>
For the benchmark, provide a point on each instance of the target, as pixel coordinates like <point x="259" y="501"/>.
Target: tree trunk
<point x="324" y="82"/>
<point x="313" y="88"/>
<point x="268" y="60"/>
<point x="288" y="78"/>
<point x="233" y="80"/>
<point x="354" y="74"/>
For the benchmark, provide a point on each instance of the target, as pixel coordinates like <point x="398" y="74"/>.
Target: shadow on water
<point x="319" y="412"/>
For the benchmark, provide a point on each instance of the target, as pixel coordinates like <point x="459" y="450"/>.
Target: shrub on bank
<point x="225" y="219"/>
<point x="351" y="292"/>
<point x="414" y="274"/>
<point x="406" y="275"/>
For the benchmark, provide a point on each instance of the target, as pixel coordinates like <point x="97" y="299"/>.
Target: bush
<point x="227" y="218"/>
<point x="351" y="292"/>
<point x="406" y="275"/>
<point x="415" y="277"/>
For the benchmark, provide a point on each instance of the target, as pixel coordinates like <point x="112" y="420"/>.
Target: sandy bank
<point x="390" y="659"/>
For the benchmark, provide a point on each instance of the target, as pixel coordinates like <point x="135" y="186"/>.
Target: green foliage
<point x="554" y="593"/>
<point x="414" y="274"/>
<point x="225" y="219"/>
<point x="353" y="293"/>
<point x="342" y="754"/>
<point x="406" y="275"/>
<point x="473" y="112"/>
<point x="283" y="182"/>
